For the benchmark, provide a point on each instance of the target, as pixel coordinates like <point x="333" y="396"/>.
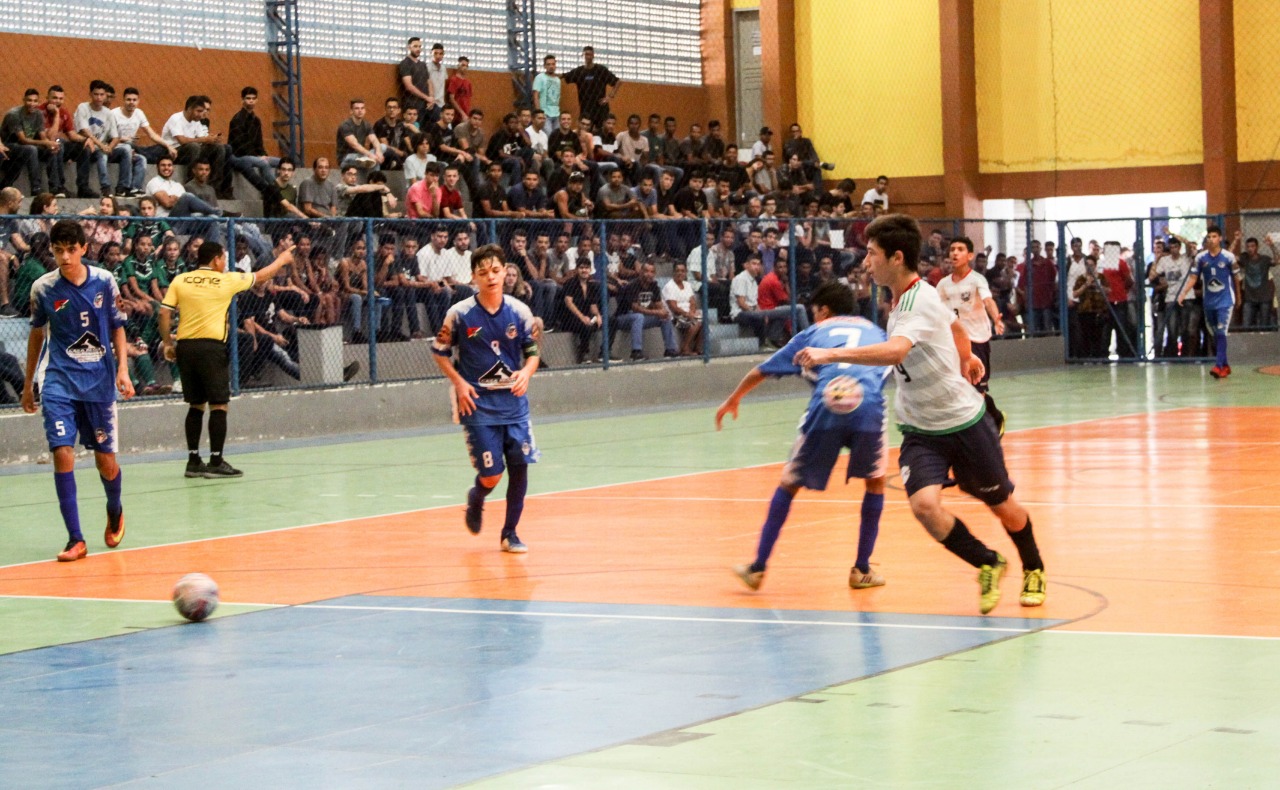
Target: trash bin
<point x="320" y="354"/>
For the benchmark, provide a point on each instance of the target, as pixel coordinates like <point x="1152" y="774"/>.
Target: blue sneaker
<point x="513" y="545"/>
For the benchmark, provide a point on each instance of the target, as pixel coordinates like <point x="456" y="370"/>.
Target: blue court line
<point x="424" y="692"/>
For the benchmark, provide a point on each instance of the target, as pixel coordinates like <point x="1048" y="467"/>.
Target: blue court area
<point x="368" y="691"/>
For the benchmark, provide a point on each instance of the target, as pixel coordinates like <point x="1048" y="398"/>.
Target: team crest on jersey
<point x="97" y="300"/>
<point x="511" y="331"/>
<point x="964" y="297"/>
<point x="473" y="331"/>
<point x="498" y="377"/>
<point x="87" y="349"/>
<point x="58" y="304"/>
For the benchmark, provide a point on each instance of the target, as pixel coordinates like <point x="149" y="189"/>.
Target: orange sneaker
<point x="75" y="550"/>
<point x="115" y="530"/>
<point x="1217" y="372"/>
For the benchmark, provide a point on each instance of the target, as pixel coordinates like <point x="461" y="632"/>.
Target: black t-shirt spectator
<point x="504" y="144"/>
<point x="692" y="200"/>
<point x="262" y="309"/>
<point x="592" y="84"/>
<point x="638" y="293"/>
<point x="828" y="200"/>
<point x="406" y="265"/>
<point x="559" y="180"/>
<point x="714" y="148"/>
<point x="559" y="140"/>
<point x="521" y="199"/>
<point x="360" y="131"/>
<point x="245" y="136"/>
<point x="802" y="147"/>
<point x="495" y="194"/>
<point x="394" y="133"/>
<point x="273" y="198"/>
<point x="666" y="200"/>
<point x="417" y="71"/>
<point x="583" y="299"/>
<point x="737" y="175"/>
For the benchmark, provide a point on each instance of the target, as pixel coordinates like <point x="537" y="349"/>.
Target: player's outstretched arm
<point x="124" y="385"/>
<point x="267" y="272"/>
<point x="730" y="405"/>
<point x="35" y="342"/>
<point x="891" y="352"/>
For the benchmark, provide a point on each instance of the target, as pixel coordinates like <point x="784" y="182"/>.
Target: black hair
<point x="1213" y="229"/>
<point x="965" y="240"/>
<point x="134" y="91"/>
<point x="248" y="91"/>
<point x="835" y="296"/>
<point x="30" y="92"/>
<point x="97" y="85"/>
<point x="895" y="233"/>
<point x="193" y="101"/>
<point x="208" y="252"/>
<point x="67" y="231"/>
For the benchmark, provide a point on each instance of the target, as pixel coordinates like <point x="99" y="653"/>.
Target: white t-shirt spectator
<point x="872" y="196"/>
<point x="169" y="187"/>
<point x="434" y="265"/>
<point x="537" y="139"/>
<point x="683" y="297"/>
<point x="100" y="123"/>
<point x="758" y="148"/>
<point x="128" y="126"/>
<point x="179" y="125"/>
<point x="457" y="264"/>
<point x="415" y="169"/>
<point x="745" y="285"/>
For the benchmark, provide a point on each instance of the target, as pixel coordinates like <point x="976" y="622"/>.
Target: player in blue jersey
<point x="497" y="353"/>
<point x="74" y="315"/>
<point x="846" y="410"/>
<point x="1217" y="268"/>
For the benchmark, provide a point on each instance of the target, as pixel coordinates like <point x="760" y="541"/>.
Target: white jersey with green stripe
<point x="932" y="397"/>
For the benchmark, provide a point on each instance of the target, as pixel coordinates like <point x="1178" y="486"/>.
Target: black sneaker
<point x="474" y="517"/>
<point x="350" y="371"/>
<point x="220" y="470"/>
<point x="637" y="356"/>
<point x="195" y="469"/>
<point x="88" y="194"/>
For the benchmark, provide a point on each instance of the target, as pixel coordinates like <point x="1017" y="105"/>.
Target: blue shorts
<point x="493" y="447"/>
<point x="1218" y="318"/>
<point x="94" y="422"/>
<point x="814" y="455"/>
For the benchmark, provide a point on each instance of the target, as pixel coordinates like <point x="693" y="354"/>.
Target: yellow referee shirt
<point x="204" y="297"/>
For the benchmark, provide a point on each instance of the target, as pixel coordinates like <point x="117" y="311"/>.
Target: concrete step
<point x="736" y="346"/>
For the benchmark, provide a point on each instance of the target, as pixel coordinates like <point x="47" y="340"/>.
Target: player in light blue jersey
<point x="846" y="410"/>
<point x="497" y="353"/>
<point x="1217" y="268"/>
<point x="75" y="314"/>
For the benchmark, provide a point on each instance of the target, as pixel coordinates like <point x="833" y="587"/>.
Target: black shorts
<point x="983" y="352"/>
<point x="973" y="453"/>
<point x="205" y="372"/>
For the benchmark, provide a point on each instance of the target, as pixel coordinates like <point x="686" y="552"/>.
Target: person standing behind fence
<point x="204" y="298"/>
<point x="593" y="83"/>
<point x="1217" y="268"/>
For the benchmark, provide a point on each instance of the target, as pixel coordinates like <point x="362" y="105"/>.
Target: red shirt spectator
<point x="57" y="120"/>
<point x="772" y="292"/>
<point x="450" y="199"/>
<point x="1118" y="287"/>
<point x="459" y="89"/>
<point x="423" y="197"/>
<point x="1043" y="283"/>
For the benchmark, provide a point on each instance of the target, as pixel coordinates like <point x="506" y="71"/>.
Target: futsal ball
<point x="842" y="394"/>
<point x="195" y="596"/>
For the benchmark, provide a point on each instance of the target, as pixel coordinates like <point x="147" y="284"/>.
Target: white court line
<point x="1130" y="505"/>
<point x="134" y="600"/>
<point x="655" y="618"/>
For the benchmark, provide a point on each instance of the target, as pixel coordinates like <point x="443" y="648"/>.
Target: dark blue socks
<point x="517" y="487"/>
<point x="1220" y="339"/>
<point x="112" y="487"/>
<point x="872" y="506"/>
<point x="65" y="484"/>
<point x="779" y="507"/>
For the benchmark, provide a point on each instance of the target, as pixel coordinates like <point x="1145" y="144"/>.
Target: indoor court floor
<point x="366" y="640"/>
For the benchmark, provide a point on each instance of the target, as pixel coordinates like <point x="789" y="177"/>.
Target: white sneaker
<point x="752" y="579"/>
<point x="861" y="581"/>
<point x="177" y="387"/>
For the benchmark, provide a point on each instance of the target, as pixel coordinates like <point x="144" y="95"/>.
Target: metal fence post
<point x="233" y="318"/>
<point x="602" y="271"/>
<point x="791" y="275"/>
<point x="1139" y="267"/>
<point x="1031" y="280"/>
<point x="1063" y="290"/>
<point x="705" y="298"/>
<point x="371" y="300"/>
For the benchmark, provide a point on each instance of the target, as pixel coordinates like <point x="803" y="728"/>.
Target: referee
<point x="204" y="298"/>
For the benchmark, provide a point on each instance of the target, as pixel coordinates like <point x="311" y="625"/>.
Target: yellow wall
<point x="868" y="85"/>
<point x="1070" y="85"/>
<point x="1257" y="79"/>
<point x="744" y="4"/>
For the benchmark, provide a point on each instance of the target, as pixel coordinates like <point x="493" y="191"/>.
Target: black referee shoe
<point x="195" y="468"/>
<point x="220" y="470"/>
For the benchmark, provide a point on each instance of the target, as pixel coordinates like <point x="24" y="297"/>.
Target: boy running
<point x="79" y="376"/>
<point x="943" y="419"/>
<point x="846" y="410"/>
<point x="497" y="353"/>
<point x="1217" y="267"/>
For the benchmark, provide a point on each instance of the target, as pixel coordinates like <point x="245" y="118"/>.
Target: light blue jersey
<point x="77" y="362"/>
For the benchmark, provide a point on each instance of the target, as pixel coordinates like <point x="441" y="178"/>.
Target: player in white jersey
<point x="967" y="294"/>
<point x="943" y="419"/>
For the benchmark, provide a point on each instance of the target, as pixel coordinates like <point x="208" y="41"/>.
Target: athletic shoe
<point x="1226" y="370"/>
<point x="1033" y="585"/>
<point x="513" y="545"/>
<point x="636" y="356"/>
<point x="177" y="387"/>
<point x="60" y="193"/>
<point x="75" y="550"/>
<point x="136" y="193"/>
<point x="752" y="579"/>
<point x="220" y="470"/>
<point x="350" y="371"/>
<point x="989" y="577"/>
<point x="1217" y="372"/>
<point x="995" y="413"/>
<point x="861" y="581"/>
<point x="195" y="469"/>
<point x="474" y="517"/>
<point x="7" y="311"/>
<point x="88" y="194"/>
<point x="115" y="530"/>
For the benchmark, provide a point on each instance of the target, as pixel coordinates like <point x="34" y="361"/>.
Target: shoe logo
<point x="988" y="489"/>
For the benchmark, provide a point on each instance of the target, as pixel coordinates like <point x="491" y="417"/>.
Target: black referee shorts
<point x="205" y="371"/>
<point x="974" y="454"/>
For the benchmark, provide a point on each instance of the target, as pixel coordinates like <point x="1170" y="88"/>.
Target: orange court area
<point x="1159" y="523"/>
